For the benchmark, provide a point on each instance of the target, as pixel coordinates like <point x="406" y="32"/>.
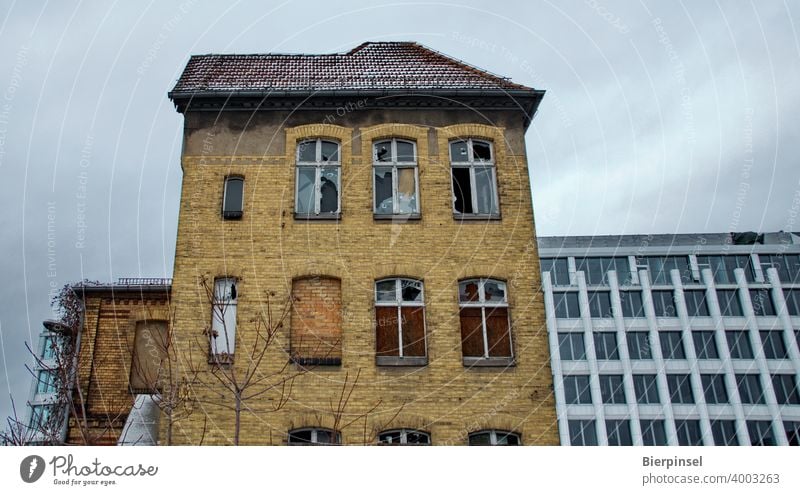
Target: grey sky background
<point x="660" y="116"/>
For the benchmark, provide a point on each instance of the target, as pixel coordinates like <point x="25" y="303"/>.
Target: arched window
<point x="395" y="178"/>
<point x="399" y="322"/>
<point x="314" y="436"/>
<point x="485" y="328"/>
<point x="494" y="437"/>
<point x="474" y="178"/>
<point x="404" y="436"/>
<point x="233" y="197"/>
<point x="318" y="179"/>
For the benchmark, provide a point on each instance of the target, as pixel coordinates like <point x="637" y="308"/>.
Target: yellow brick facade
<point x="268" y="248"/>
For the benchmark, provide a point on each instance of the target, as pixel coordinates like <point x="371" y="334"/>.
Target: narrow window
<point x="680" y="389"/>
<point x="646" y="389"/>
<point x="653" y="433"/>
<point x="750" y="390"/>
<point x="761" y="434"/>
<point x="46" y="382"/>
<point x="318" y="179"/>
<point x="223" y="320"/>
<point x="149" y="355"/>
<point x="639" y="346"/>
<point x="399" y="322"/>
<point x="314" y="436"/>
<point x="724" y="431"/>
<point x="49" y="347"/>
<point x="395" y="178"/>
<point x="704" y="345"/>
<point x="316" y="321"/>
<point x="689" y="432"/>
<point x="582" y="432"/>
<point x="485" y="325"/>
<point x="474" y="180"/>
<point x="739" y="344"/>
<point x="566" y="304"/>
<point x="619" y="432"/>
<point x="233" y="198"/>
<point x="714" y="389"/>
<point x="404" y="437"/>
<point x="611" y="389"/>
<point x="494" y="437"/>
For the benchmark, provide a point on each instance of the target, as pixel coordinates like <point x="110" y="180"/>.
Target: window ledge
<point x="383" y="216"/>
<point x="321" y="216"/>
<point x="232" y="215"/>
<point x="488" y="362"/>
<point x="470" y="217"/>
<point x="401" y="361"/>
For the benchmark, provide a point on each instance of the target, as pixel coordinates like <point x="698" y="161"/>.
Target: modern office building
<point x="674" y="339"/>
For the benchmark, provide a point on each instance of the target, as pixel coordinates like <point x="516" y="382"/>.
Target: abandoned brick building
<point x="356" y="259"/>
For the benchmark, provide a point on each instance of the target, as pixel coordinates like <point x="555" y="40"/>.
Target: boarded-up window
<point x="399" y="319"/>
<point x="316" y="321"/>
<point x="148" y="363"/>
<point x="485" y="329"/>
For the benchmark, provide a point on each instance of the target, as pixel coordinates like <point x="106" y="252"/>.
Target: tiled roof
<point x="372" y="65"/>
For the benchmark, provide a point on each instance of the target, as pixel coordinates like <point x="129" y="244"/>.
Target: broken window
<point x="318" y="178"/>
<point x="314" y="436"/>
<point x="485" y="327"/>
<point x="233" y="198"/>
<point x="223" y="320"/>
<point x="474" y="179"/>
<point x="494" y="437"/>
<point x="399" y="322"/>
<point x="404" y="437"/>
<point x="149" y="356"/>
<point x="395" y="178"/>
<point x="316" y="321"/>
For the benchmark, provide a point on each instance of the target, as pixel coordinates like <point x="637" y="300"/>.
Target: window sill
<point x="488" y="362"/>
<point x="321" y="216"/>
<point x="232" y="215"/>
<point x="401" y="361"/>
<point x="408" y="217"/>
<point x="473" y="217"/>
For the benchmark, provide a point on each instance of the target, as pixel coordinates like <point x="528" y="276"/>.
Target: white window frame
<point x="493" y="434"/>
<point x="394" y="164"/>
<point x="483" y="304"/>
<point x="471" y="164"/>
<point x="223" y="321"/>
<point x="404" y="436"/>
<point x="399" y="303"/>
<point x="337" y="436"/>
<point x="318" y="165"/>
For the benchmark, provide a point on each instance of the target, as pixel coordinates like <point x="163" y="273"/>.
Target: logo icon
<point x="31" y="468"/>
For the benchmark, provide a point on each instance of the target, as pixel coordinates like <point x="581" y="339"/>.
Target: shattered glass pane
<point x="417" y="438"/>
<point x="468" y="291"/>
<point x="329" y="190"/>
<point x="406" y="190"/>
<point x="391" y="437"/>
<point x="481" y="151"/>
<point x="306" y="176"/>
<point x="405" y="152"/>
<point x="383" y="190"/>
<point x="411" y="290"/>
<point x="494" y="291"/>
<point x="386" y="290"/>
<point x="383" y="151"/>
<point x="307" y="151"/>
<point x="330" y="151"/>
<point x="458" y="151"/>
<point x="484" y="186"/>
<point x="462" y="190"/>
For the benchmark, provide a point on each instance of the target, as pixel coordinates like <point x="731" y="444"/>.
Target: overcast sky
<point x="660" y="116"/>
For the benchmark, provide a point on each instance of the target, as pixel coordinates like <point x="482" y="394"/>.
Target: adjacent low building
<point x="674" y="339"/>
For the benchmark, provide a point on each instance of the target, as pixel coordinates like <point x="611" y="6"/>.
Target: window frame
<point x="654" y="427"/>
<point x="336" y="435"/>
<point x="777" y="344"/>
<point x="688" y="432"/>
<point x="395" y="164"/>
<point x="582" y="426"/>
<point x="632" y="337"/>
<point x="610" y="392"/>
<point x="715" y="390"/>
<point x="493" y="436"/>
<point x="582" y="395"/>
<point x="679" y="386"/>
<point x="569" y="338"/>
<point x="483" y="304"/>
<point x="601" y="341"/>
<point x="615" y="438"/>
<point x="751" y="388"/>
<point x="318" y="165"/>
<point x="471" y="164"/>
<point x="401" y="360"/>
<point x="227" y="357"/>
<point x="787" y="394"/>
<point x="566" y="297"/>
<point x="666" y="336"/>
<point x="232" y="214"/>
<point x="645" y="387"/>
<point x="709" y="348"/>
<point x="404" y="436"/>
<point x="734" y="340"/>
<point x="758" y="427"/>
<point x="723" y="431"/>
